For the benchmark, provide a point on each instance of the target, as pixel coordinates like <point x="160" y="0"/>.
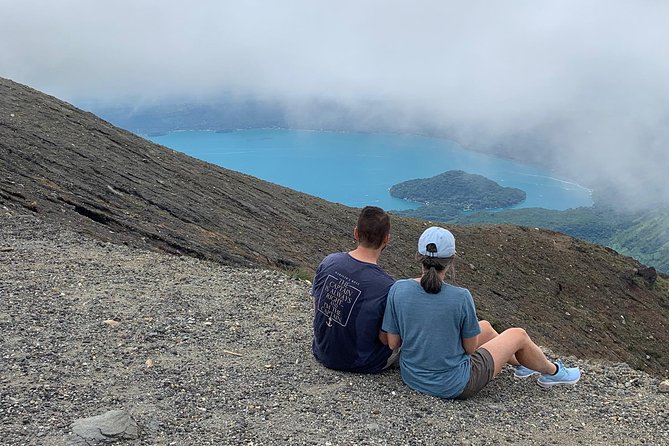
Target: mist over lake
<point x="357" y="169"/>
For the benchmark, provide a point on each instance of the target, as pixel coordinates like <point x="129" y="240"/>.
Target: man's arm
<point x="470" y="344"/>
<point x="387" y="318"/>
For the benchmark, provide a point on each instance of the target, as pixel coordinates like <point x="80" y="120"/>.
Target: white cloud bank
<point x="590" y="78"/>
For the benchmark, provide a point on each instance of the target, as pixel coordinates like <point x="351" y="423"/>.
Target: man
<point x="350" y="292"/>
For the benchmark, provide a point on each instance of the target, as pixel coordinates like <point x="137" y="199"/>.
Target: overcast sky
<point x="593" y="76"/>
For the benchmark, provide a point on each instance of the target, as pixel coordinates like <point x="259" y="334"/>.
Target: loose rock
<point x="664" y="386"/>
<point x="111" y="425"/>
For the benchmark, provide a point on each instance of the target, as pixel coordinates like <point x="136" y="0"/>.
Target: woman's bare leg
<point x="515" y="341"/>
<point x="488" y="333"/>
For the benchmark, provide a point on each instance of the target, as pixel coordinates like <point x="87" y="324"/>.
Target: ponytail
<point x="432" y="266"/>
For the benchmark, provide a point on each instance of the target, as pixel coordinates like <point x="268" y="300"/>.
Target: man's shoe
<point x="564" y="375"/>
<point x="523" y="372"/>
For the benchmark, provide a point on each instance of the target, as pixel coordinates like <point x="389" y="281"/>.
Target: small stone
<point x="111" y="323"/>
<point x="664" y="386"/>
<point x="114" y="424"/>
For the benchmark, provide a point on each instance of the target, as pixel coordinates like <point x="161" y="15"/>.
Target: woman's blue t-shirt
<point x="432" y="327"/>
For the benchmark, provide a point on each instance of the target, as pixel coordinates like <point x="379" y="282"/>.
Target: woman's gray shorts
<point x="482" y="372"/>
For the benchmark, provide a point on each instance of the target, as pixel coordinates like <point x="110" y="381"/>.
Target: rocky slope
<point x="74" y="170"/>
<point x="199" y="353"/>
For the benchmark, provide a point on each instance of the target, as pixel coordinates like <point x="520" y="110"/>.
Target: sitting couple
<point x="363" y="317"/>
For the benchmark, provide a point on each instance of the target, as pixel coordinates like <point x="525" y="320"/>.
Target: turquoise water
<point x="357" y="169"/>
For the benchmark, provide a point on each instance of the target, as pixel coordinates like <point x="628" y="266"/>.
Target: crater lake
<point x="358" y="169"/>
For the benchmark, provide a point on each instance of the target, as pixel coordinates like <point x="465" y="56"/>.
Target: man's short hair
<point x="373" y="226"/>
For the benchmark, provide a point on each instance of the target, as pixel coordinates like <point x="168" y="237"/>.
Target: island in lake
<point x="451" y="193"/>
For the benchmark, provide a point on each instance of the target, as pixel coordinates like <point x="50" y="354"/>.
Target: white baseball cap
<point x="442" y="240"/>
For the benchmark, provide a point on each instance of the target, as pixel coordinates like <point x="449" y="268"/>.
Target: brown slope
<point x="71" y="167"/>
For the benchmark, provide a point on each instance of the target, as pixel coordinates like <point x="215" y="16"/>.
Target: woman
<point x="446" y="352"/>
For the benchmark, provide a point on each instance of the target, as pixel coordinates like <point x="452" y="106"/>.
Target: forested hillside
<point x="454" y="192"/>
<point x="642" y="235"/>
<point x="647" y="239"/>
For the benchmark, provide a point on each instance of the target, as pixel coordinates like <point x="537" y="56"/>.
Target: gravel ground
<point x="203" y="354"/>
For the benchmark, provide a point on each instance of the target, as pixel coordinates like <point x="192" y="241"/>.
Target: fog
<point x="582" y="83"/>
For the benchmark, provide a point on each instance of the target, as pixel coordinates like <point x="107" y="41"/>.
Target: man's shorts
<point x="394" y="359"/>
<point x="482" y="372"/>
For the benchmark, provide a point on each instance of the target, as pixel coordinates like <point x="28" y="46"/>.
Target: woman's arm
<point x="470" y="344"/>
<point x="469" y="325"/>
<point x="394" y="341"/>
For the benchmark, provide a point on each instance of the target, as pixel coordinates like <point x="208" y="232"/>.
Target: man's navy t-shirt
<point x="349" y="301"/>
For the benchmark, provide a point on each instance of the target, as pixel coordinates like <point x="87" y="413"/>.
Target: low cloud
<point x="583" y="83"/>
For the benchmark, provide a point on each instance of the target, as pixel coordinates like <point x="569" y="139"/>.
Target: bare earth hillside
<point x="199" y="353"/>
<point x="74" y="170"/>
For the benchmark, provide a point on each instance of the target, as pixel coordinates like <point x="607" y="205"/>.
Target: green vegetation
<point x="647" y="240"/>
<point x="644" y="236"/>
<point x="594" y="224"/>
<point x="452" y="196"/>
<point x="455" y="191"/>
<point x="300" y="273"/>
